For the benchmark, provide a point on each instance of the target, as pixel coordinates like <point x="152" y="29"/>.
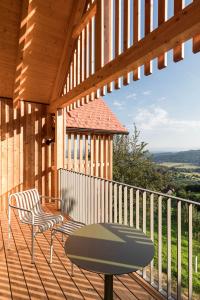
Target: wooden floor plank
<point x="19" y="279"/>
<point x="5" y="292"/>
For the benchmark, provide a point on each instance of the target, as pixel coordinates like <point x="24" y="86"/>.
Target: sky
<point x="165" y="106"/>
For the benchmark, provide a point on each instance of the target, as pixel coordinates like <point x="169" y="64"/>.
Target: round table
<point x="111" y="249"/>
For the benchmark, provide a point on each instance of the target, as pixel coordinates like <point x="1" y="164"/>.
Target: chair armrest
<point x="24" y="209"/>
<point x="47" y="197"/>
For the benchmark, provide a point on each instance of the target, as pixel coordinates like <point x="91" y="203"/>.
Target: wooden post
<point x="60" y="132"/>
<point x="110" y="157"/>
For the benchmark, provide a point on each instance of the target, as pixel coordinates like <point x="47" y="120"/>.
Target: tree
<point x="132" y="163"/>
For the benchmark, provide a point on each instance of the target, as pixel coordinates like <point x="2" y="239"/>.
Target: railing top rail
<point x="137" y="188"/>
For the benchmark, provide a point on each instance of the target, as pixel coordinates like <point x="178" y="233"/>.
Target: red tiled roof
<point x="94" y="116"/>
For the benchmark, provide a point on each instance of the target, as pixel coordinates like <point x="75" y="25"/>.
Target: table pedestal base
<point x="108" y="287"/>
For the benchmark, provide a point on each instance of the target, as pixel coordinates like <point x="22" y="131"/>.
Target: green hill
<point x="190" y="156"/>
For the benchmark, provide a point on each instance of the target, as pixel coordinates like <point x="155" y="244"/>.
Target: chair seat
<point x="44" y="221"/>
<point x="69" y="227"/>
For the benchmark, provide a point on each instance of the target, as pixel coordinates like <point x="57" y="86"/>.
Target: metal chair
<point x="66" y="229"/>
<point x="28" y="204"/>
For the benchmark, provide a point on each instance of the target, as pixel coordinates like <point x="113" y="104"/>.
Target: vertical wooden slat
<point x="102" y="184"/>
<point x="117" y="34"/>
<point x="78" y="62"/>
<point x="99" y="200"/>
<point x="32" y="151"/>
<point x="98" y="36"/>
<point x="196" y="44"/>
<point x="106" y="201"/>
<point x="75" y="68"/>
<point x="101" y="156"/>
<point x="71" y="77"/>
<point x="81" y="56"/>
<point x="69" y="152"/>
<point x="190" y="275"/>
<point x="81" y="153"/>
<point x="91" y="155"/>
<point x="108" y="35"/>
<point x="115" y="203"/>
<point x="96" y="140"/>
<point x="10" y="148"/>
<point x="131" y="208"/>
<point x="75" y="152"/>
<point x="37" y="146"/>
<point x="120" y="204"/>
<point x="105" y="157"/>
<point x="92" y="199"/>
<point x="126" y="79"/>
<point x="28" y="148"/>
<point x="95" y="200"/>
<point x="125" y="207"/>
<point x="178" y="50"/>
<point x="162" y="17"/>
<point x="86" y="154"/>
<point x="179" y="250"/>
<point x="148" y="29"/>
<point x="136" y="31"/>
<point x="169" y="248"/>
<point x="144" y="221"/>
<point x="0" y="156"/>
<point x="160" y="243"/>
<point x="152" y="235"/>
<point x="110" y="202"/>
<point x="60" y="131"/>
<point x="110" y="157"/>
<point x="91" y="48"/>
<point x="137" y="223"/>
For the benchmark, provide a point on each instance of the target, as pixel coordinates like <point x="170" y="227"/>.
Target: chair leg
<point x="32" y="245"/>
<point x="51" y="246"/>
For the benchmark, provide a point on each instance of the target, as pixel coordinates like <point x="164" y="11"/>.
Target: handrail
<point x="138" y="188"/>
<point x="167" y="220"/>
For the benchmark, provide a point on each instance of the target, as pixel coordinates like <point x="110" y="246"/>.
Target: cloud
<point x="119" y="105"/>
<point x="156" y="118"/>
<point x="162" y="99"/>
<point x="147" y="93"/>
<point x="132" y="96"/>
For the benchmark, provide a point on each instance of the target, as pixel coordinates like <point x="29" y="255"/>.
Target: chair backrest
<point x="28" y="199"/>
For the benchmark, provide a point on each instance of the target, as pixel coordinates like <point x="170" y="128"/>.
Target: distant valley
<point x="174" y="159"/>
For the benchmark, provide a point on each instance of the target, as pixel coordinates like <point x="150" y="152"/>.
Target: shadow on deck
<point x="19" y="279"/>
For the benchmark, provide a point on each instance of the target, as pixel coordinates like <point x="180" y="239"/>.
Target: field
<point x="179" y="165"/>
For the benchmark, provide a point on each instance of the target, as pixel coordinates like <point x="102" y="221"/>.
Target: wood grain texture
<point x="178" y="29"/>
<point x="21" y="280"/>
<point x="23" y="162"/>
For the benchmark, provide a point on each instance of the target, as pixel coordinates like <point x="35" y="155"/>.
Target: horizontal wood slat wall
<point x="90" y="154"/>
<point x="25" y="160"/>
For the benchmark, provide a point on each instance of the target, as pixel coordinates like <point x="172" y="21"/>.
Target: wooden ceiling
<point x="33" y="34"/>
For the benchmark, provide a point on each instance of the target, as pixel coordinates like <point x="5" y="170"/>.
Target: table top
<point x="111" y="249"/>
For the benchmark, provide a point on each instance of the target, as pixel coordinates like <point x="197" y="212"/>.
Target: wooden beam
<point x="176" y="30"/>
<point x="84" y="20"/>
<point x="60" y="141"/>
<point x="68" y="48"/>
<point x="23" y="22"/>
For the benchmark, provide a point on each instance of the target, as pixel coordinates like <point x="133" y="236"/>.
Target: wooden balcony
<point x="19" y="279"/>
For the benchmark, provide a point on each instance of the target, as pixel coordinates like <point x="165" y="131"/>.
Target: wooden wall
<point x="90" y="154"/>
<point x="25" y="160"/>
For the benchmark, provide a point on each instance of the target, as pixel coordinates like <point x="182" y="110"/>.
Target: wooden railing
<point x="90" y="154"/>
<point x="116" y="38"/>
<point x="171" y="222"/>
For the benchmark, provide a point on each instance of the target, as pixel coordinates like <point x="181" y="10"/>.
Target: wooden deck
<point x="19" y="279"/>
